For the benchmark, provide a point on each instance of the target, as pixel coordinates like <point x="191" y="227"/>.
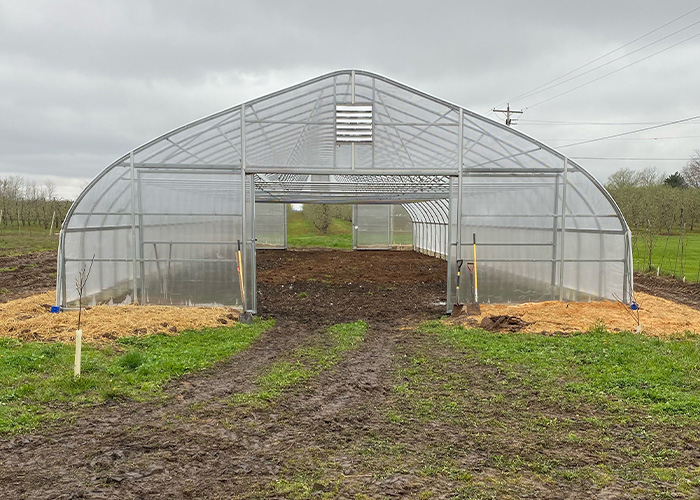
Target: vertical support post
<point x="134" y="245"/>
<point x="61" y="274"/>
<point x="563" y="228"/>
<point x="352" y="100"/>
<point x="285" y="223"/>
<point x="243" y="193"/>
<point x="142" y="264"/>
<point x="460" y="194"/>
<point x="355" y="225"/>
<point x="252" y="257"/>
<point x="390" y="225"/>
<point x="374" y="85"/>
<point x="555" y="234"/>
<point x="413" y="235"/>
<point x="449" y="250"/>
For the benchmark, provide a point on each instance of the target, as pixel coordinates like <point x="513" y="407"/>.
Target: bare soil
<point x="350" y="432"/>
<point x="24" y="275"/>
<point x="668" y="288"/>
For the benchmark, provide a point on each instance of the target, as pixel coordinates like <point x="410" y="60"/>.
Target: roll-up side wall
<point x="176" y="245"/>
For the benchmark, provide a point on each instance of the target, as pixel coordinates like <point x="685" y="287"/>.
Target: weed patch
<point x="35" y="376"/>
<point x="660" y="376"/>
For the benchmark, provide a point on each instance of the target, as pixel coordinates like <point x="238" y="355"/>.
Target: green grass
<point x="26" y="239"/>
<point x="513" y="414"/>
<point x="304" y="363"/>
<point x="666" y="254"/>
<point x="37" y="383"/>
<point x="302" y="233"/>
<point x="659" y="376"/>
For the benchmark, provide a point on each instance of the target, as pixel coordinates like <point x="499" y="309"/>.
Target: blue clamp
<point x="55" y="309"/>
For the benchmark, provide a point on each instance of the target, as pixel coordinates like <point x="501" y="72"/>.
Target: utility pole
<point x="508" y="112"/>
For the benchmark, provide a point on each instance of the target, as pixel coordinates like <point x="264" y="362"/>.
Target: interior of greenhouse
<point x="172" y="221"/>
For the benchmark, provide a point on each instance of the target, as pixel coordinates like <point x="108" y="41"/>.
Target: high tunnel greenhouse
<point x="163" y="224"/>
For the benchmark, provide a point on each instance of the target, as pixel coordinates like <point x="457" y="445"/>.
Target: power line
<point x="621" y="158"/>
<point x="615" y="71"/>
<point x="629" y="132"/>
<point x="561" y="122"/>
<point x="530" y="92"/>
<point x="611" y="61"/>
<point x="632" y="138"/>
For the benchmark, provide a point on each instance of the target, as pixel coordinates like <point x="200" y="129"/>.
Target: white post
<point x="78" y="352"/>
<point x="53" y="219"/>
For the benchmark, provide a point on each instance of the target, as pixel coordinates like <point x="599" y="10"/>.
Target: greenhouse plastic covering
<point x="167" y="222"/>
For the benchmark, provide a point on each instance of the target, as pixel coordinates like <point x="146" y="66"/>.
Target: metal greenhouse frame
<point x="163" y="223"/>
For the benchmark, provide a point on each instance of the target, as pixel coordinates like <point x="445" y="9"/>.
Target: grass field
<point x="26" y="239"/>
<point x="666" y="253"/>
<point x="302" y="233"/>
<point x="661" y="377"/>
<point x="37" y="383"/>
<point x="594" y="408"/>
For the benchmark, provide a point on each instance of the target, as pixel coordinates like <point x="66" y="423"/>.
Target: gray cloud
<point x="83" y="82"/>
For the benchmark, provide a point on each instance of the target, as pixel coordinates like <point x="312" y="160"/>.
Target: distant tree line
<point x="655" y="205"/>
<point x="25" y="203"/>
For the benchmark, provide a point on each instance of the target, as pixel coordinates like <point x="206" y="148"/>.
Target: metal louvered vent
<point x="353" y="123"/>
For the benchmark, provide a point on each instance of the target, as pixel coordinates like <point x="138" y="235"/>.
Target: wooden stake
<point x="52" y="221"/>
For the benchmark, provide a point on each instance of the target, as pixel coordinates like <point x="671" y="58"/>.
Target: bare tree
<point x="320" y="216"/>
<point x="80" y="282"/>
<point x="691" y="171"/>
<point x="623" y="178"/>
<point x="49" y="189"/>
<point x="649" y="176"/>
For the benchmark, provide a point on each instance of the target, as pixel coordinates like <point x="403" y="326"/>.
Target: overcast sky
<point x="83" y="82"/>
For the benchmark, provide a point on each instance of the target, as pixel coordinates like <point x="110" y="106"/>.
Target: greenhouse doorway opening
<point x="365" y="263"/>
<point x="340" y="226"/>
<point x="399" y="217"/>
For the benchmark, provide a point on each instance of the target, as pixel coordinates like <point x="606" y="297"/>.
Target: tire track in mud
<point x="96" y="447"/>
<point x="195" y="444"/>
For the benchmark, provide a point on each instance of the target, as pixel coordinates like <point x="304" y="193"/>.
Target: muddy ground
<point x="668" y="288"/>
<point x="351" y="432"/>
<point x="24" y="275"/>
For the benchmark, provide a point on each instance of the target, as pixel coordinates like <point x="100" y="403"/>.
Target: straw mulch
<point x="30" y="319"/>
<point x="658" y="317"/>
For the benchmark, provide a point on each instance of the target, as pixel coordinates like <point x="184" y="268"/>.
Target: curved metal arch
<point x="212" y="149"/>
<point x="477" y="118"/>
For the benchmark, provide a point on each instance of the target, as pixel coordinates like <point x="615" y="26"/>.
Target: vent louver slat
<point x="353" y="123"/>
